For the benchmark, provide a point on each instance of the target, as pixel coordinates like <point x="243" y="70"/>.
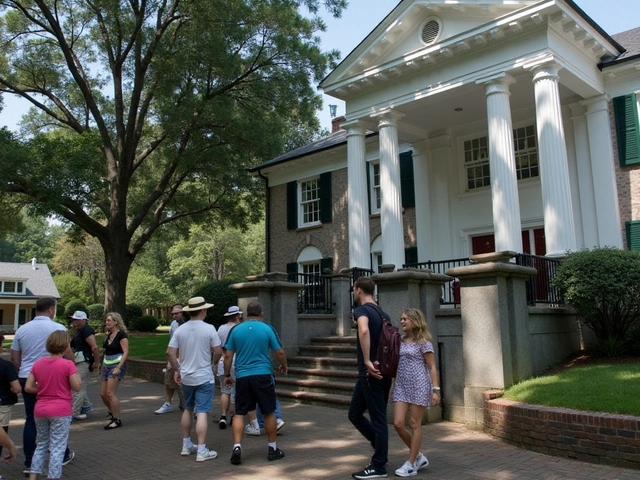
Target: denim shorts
<point x="107" y="371"/>
<point x="198" y="396"/>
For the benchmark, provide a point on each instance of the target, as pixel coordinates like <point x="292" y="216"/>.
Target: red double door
<point x="487" y="243"/>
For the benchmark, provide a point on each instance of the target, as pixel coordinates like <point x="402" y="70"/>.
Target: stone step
<point x="351" y="339"/>
<point x="324" y="362"/>
<point x="324" y="373"/>
<point x="316" y="386"/>
<point x="344" y="351"/>
<point x="313" y="398"/>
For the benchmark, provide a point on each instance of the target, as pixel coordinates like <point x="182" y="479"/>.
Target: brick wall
<point x="603" y="438"/>
<point x="150" y="370"/>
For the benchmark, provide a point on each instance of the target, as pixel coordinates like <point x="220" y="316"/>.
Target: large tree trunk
<point x="117" y="265"/>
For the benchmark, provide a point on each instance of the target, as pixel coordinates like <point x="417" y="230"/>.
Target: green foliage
<point x="60" y="311"/>
<point x="96" y="312"/>
<point x="132" y="311"/>
<point x="145" y="323"/>
<point x="603" y="285"/>
<point x="613" y="388"/>
<point x="74" y="305"/>
<point x="144" y="288"/>
<point x="81" y="255"/>
<point x="69" y="287"/>
<point x="33" y="237"/>
<point x="222" y="297"/>
<point x="634" y="340"/>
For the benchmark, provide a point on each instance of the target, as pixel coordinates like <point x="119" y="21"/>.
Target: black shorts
<point x="256" y="389"/>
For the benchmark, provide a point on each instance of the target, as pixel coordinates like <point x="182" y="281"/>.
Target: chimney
<point x="335" y="123"/>
<point x="33" y="263"/>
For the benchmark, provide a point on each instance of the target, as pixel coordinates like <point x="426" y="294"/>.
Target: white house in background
<point x="21" y="285"/>
<point x="471" y="126"/>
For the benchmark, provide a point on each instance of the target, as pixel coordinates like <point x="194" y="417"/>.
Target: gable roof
<point x="630" y="40"/>
<point x="39" y="280"/>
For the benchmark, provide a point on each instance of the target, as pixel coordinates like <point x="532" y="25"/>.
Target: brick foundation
<point x="603" y="438"/>
<point x="150" y="370"/>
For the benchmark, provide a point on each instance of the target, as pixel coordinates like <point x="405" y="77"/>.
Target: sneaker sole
<point x="379" y="475"/>
<point x="424" y="465"/>
<point x="206" y="458"/>
<point x="406" y="474"/>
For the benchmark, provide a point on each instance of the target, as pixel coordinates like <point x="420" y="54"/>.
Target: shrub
<point x="222" y="297"/>
<point x="96" y="312"/>
<point x="145" y="323"/>
<point x="74" y="305"/>
<point x="603" y="285"/>
<point x="60" y="311"/>
<point x="131" y="311"/>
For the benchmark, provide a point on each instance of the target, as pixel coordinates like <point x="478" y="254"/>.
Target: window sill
<point x="309" y="227"/>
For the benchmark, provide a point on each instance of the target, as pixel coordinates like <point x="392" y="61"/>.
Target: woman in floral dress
<point x="416" y="387"/>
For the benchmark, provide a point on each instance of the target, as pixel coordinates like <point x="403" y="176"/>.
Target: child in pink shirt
<point x="52" y="378"/>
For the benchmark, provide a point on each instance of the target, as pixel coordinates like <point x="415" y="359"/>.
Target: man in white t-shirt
<point x="196" y="342"/>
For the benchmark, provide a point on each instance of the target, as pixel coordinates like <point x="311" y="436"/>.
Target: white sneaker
<point x="279" y="424"/>
<point x="421" y="462"/>
<point x="186" y="451"/>
<point x="251" y="430"/>
<point x="165" y="408"/>
<point x="406" y="470"/>
<point x="206" y="455"/>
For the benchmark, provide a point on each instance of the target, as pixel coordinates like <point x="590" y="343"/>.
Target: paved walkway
<point x="319" y="444"/>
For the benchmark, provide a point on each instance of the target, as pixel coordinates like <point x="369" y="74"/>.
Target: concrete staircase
<point x="324" y="373"/>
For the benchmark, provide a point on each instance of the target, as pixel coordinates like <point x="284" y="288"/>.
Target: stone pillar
<point x="358" y="198"/>
<point x="495" y="336"/>
<point x="391" y="207"/>
<point x="554" y="167"/>
<point x="342" y="301"/>
<point x="504" y="183"/>
<point x="413" y="288"/>
<point x="279" y="300"/>
<point x="422" y="191"/>
<point x="585" y="177"/>
<point x="604" y="175"/>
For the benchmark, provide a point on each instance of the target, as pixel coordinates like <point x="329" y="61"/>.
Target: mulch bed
<point x="590" y="357"/>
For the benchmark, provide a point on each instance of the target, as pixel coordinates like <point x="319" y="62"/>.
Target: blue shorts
<point x="198" y="396"/>
<point x="107" y="371"/>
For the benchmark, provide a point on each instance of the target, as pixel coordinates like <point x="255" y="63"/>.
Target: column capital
<point x="598" y="103"/>
<point x="502" y="79"/>
<point x="354" y="127"/>
<point x="388" y="118"/>
<point x="546" y="67"/>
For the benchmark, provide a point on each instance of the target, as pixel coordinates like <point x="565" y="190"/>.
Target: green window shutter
<point x="326" y="205"/>
<point x="633" y="235"/>
<point x="292" y="205"/>
<point x="292" y="272"/>
<point x="326" y="264"/>
<point x="625" y="112"/>
<point x="411" y="255"/>
<point x="406" y="180"/>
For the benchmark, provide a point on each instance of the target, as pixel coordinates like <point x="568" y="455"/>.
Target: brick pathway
<point x="319" y="444"/>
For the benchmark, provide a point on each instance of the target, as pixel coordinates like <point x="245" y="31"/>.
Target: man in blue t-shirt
<point x="251" y="341"/>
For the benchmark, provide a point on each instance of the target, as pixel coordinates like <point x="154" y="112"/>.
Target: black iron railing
<point x="450" y="290"/>
<point x="315" y="297"/>
<point x="539" y="287"/>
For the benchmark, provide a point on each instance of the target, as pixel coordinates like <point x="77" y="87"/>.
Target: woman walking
<point x="116" y="351"/>
<point x="416" y="387"/>
<point x="52" y="379"/>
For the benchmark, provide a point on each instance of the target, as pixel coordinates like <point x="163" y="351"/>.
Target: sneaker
<point x="82" y="416"/>
<point x="275" y="454"/>
<point x="421" y="462"/>
<point x="222" y="423"/>
<point x="67" y="458"/>
<point x="87" y="409"/>
<point x="236" y="456"/>
<point x="250" y="430"/>
<point x="407" y="470"/>
<point x="370" y="472"/>
<point x="165" y="408"/>
<point x="186" y="451"/>
<point x="280" y="424"/>
<point x="206" y="455"/>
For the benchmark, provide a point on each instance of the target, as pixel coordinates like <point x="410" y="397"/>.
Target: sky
<point x="362" y="16"/>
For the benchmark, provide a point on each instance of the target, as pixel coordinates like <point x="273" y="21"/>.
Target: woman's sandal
<point x="115" y="423"/>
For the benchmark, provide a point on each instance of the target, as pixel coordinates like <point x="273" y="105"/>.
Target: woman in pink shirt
<point x="52" y="378"/>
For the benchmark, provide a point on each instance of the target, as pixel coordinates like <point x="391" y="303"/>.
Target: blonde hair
<point x="419" y="327"/>
<point x="118" y="318"/>
<point x="57" y="342"/>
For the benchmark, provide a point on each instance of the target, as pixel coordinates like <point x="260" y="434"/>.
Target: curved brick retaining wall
<point x="603" y="438"/>
<point x="146" y="369"/>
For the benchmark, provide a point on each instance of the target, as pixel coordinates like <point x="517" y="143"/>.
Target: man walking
<point x="251" y="341"/>
<point x="195" y="342"/>
<point x="87" y="357"/>
<point x="371" y="391"/>
<point x="170" y="385"/>
<point x="29" y="345"/>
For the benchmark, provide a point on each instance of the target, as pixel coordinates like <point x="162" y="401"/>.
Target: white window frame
<point x="19" y="286"/>
<point x="375" y="194"/>
<point x="302" y="203"/>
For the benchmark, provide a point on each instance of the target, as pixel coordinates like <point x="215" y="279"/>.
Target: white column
<point x="502" y="163"/>
<point x="16" y="316"/>
<point x="391" y="201"/>
<point x="423" y="208"/>
<point x="359" y="241"/>
<point x="585" y="178"/>
<point x="554" y="168"/>
<point x="442" y="171"/>
<point x="603" y="170"/>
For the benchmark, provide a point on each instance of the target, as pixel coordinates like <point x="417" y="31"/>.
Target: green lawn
<point x="613" y="388"/>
